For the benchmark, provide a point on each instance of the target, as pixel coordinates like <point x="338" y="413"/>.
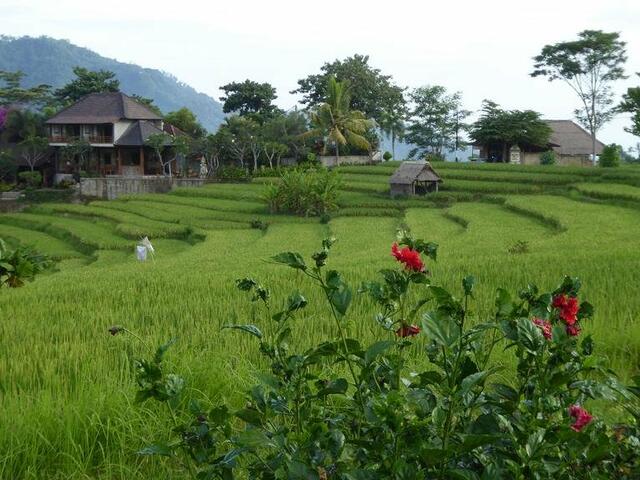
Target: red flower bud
<point x="581" y="416"/>
<point x="408" y="331"/>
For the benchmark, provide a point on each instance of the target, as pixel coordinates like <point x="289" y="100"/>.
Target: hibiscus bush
<point x="429" y="398"/>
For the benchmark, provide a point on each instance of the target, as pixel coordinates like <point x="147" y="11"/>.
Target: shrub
<point x="310" y="193"/>
<point x="548" y="158"/>
<point x="232" y="174"/>
<point x="30" y="179"/>
<point x="434" y="157"/>
<point x="343" y="410"/>
<point x="312" y="158"/>
<point x="610" y="156"/>
<point x="8" y="167"/>
<point x="387" y="156"/>
<point x="259" y="224"/>
<point x="20" y="265"/>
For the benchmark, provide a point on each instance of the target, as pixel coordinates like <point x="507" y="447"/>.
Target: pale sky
<point x="483" y="49"/>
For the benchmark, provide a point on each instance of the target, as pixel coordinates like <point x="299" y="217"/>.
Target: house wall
<point x="574" y="160"/>
<point x="110" y="188"/>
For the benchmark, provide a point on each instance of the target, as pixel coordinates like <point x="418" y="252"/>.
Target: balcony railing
<point x="88" y="138"/>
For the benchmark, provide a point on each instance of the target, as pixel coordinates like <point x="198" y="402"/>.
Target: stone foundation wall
<point x="111" y="187"/>
<point x="330" y="160"/>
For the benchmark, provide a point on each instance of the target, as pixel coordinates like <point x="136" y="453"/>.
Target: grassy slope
<point x="65" y="384"/>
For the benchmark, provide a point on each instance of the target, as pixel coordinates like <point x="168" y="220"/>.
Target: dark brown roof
<point x="137" y="133"/>
<point x="409" y="172"/>
<point x="105" y="107"/>
<point x="571" y="138"/>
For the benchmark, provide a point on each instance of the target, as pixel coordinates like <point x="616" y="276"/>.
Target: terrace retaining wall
<point x="330" y="160"/>
<point x="112" y="187"/>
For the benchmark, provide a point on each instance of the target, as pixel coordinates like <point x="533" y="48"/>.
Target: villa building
<point x="116" y="126"/>
<point x="570" y="142"/>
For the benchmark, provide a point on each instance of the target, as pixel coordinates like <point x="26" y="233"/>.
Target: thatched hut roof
<point x="571" y="139"/>
<point x="410" y="172"/>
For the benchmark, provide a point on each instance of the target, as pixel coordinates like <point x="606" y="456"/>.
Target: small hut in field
<point x="414" y="178"/>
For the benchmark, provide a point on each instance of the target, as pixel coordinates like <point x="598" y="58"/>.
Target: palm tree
<point x="392" y="125"/>
<point x="335" y="121"/>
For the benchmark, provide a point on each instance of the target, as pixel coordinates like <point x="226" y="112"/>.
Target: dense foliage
<point x="631" y="104"/>
<point x="610" y="156"/>
<point x="373" y="92"/>
<point x="19" y="265"/>
<point x="345" y="410"/>
<point x="304" y="192"/>
<point x="500" y="129"/>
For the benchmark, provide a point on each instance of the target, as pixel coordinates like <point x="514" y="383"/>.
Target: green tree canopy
<point x="186" y="121"/>
<point x="87" y="82"/>
<point x="631" y="104"/>
<point x="503" y="128"/>
<point x="371" y="92"/>
<point x="248" y="97"/>
<point x="588" y="65"/>
<point x="13" y="94"/>
<point x="336" y="122"/>
<point x="436" y="121"/>
<point x="21" y="124"/>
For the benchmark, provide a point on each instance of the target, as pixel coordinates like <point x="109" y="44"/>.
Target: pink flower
<point x="543" y="325"/>
<point x="582" y="418"/>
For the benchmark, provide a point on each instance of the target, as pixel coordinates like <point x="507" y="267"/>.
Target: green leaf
<point x="377" y="349"/>
<point x="441" y="328"/>
<point x="504" y="304"/>
<point x="291" y="259"/>
<point x="156" y="449"/>
<point x="250" y="416"/>
<point x="162" y="349"/>
<point x="529" y="335"/>
<point x="337" y="386"/>
<point x="296" y="302"/>
<point x="467" y="284"/>
<point x="472" y="380"/>
<point x="252" y="329"/>
<point x="441" y="295"/>
<point x="341" y="299"/>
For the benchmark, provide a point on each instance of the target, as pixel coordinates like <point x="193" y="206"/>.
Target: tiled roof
<point x="137" y="134"/>
<point x="105" y="107"/>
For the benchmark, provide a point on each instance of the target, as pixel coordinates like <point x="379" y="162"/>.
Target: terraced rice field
<point x="66" y="387"/>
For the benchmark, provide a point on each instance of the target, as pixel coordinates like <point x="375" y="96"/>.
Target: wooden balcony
<point x="88" y="138"/>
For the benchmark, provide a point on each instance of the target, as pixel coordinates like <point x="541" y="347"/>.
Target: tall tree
<point x="33" y="149"/>
<point x="372" y="93"/>
<point x="13" y="94"/>
<point x="87" y="82"/>
<point x="77" y="153"/>
<point x="158" y="142"/>
<point x="588" y="65"/>
<point x="287" y="129"/>
<point x="249" y="98"/>
<point x="500" y="129"/>
<point x="186" y="121"/>
<point x="436" y="120"/>
<point x="336" y="122"/>
<point x="240" y="132"/>
<point x="392" y="124"/>
<point x="631" y="104"/>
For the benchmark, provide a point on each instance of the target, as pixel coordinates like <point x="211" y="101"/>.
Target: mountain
<point x="48" y="60"/>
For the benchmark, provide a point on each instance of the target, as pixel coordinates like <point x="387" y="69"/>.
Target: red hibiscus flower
<point x="545" y="326"/>
<point x="568" y="307"/>
<point x="582" y="418"/>
<point x="408" y="331"/>
<point x="410" y="258"/>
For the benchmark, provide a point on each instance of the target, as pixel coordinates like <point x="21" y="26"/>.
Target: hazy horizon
<point x="484" y="51"/>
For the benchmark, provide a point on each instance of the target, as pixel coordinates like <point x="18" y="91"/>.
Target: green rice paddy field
<point x="66" y="388"/>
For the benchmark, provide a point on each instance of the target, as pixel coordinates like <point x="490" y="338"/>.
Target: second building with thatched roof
<point x="414" y="178"/>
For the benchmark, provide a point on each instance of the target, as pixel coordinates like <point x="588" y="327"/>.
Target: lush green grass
<point x="66" y="387"/>
<point x="610" y="191"/>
